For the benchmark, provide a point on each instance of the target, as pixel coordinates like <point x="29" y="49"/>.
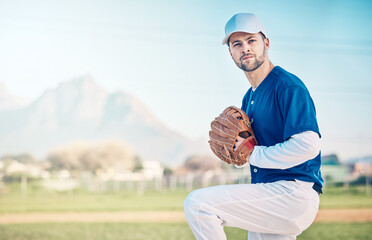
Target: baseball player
<point x="283" y="199"/>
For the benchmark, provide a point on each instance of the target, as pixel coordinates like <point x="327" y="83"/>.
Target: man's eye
<point x="251" y="41"/>
<point x="236" y="45"/>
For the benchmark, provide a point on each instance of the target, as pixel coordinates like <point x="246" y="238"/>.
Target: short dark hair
<point x="262" y="35"/>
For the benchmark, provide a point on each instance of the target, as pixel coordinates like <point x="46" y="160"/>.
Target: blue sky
<point x="169" y="55"/>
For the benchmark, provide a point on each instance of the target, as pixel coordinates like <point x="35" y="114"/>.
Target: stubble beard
<point x="253" y="66"/>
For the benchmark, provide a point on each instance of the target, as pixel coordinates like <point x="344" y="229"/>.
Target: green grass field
<point x="155" y="201"/>
<point x="39" y="200"/>
<point x="163" y="231"/>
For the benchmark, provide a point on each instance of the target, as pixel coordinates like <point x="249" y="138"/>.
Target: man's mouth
<point x="246" y="56"/>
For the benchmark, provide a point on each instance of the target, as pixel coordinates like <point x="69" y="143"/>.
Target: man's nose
<point x="245" y="48"/>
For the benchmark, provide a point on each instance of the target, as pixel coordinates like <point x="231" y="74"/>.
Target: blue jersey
<point x="280" y="107"/>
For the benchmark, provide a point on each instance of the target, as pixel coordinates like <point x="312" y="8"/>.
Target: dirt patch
<point x="344" y="215"/>
<point x="162" y="216"/>
<point x="324" y="215"/>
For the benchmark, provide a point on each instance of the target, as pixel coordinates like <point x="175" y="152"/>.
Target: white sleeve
<point x="296" y="150"/>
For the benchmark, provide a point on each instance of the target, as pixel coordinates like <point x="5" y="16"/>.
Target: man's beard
<point x="253" y="66"/>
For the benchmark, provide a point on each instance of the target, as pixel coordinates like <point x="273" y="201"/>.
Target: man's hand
<point x="238" y="142"/>
<point x="231" y="136"/>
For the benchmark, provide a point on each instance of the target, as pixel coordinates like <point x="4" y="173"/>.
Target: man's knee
<point x="192" y="199"/>
<point x="195" y="201"/>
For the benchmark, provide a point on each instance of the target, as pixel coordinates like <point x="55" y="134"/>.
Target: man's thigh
<point x="283" y="207"/>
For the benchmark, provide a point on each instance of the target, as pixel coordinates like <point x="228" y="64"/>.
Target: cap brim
<point x="224" y="41"/>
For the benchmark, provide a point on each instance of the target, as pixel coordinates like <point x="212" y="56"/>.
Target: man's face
<point x="249" y="51"/>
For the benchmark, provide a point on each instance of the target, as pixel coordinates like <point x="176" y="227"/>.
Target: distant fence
<point x="189" y="181"/>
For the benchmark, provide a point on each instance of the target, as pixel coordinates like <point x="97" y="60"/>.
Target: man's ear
<point x="267" y="43"/>
<point x="230" y="52"/>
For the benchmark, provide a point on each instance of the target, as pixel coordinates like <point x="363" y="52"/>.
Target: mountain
<point x="9" y="101"/>
<point x="82" y="110"/>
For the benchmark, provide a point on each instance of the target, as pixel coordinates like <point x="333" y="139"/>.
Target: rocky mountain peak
<point x="80" y="109"/>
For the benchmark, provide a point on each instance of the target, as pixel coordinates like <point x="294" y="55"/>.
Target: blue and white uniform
<point x="285" y="169"/>
<point x="279" y="108"/>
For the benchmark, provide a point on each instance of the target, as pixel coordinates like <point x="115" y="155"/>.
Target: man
<point x="283" y="199"/>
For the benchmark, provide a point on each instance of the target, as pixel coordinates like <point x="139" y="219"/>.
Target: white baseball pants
<point x="279" y="210"/>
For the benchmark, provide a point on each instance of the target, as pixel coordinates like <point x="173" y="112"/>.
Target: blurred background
<point x="115" y="98"/>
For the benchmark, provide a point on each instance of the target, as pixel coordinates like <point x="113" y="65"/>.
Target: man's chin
<point x="251" y="68"/>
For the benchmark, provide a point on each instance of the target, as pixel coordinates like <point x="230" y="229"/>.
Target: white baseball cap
<point x="243" y="22"/>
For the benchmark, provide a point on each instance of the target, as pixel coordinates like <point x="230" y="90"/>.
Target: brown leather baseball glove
<point x="225" y="131"/>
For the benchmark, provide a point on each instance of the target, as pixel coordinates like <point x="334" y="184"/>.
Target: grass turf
<point x="161" y="231"/>
<point x="42" y="201"/>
